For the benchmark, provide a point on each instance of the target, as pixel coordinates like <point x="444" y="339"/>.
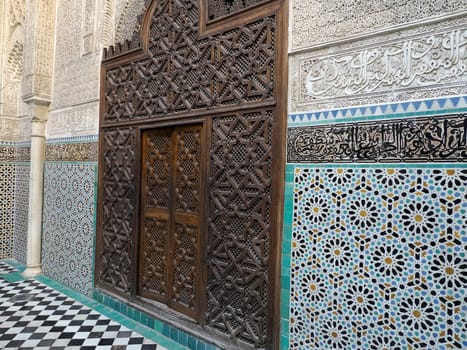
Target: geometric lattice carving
<point x="169" y="246"/>
<point x="186" y="192"/>
<point x="184" y="73"/>
<point x="239" y="226"/>
<point x="221" y="8"/>
<point x="187" y="179"/>
<point x="186" y="269"/>
<point x="118" y="183"/>
<point x="155" y="243"/>
<point x="410" y="140"/>
<point x="158" y="171"/>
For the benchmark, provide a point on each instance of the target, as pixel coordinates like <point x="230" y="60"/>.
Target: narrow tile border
<point x="185" y="339"/>
<point x="286" y="251"/>
<point x="427" y="107"/>
<point x="73" y="139"/>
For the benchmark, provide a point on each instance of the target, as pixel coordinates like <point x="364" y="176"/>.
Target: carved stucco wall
<point x="125" y="18"/>
<point x="84" y="28"/>
<point x="12" y="109"/>
<point x="376" y="152"/>
<point x="415" y="63"/>
<point x="74" y="109"/>
<point x="318" y="22"/>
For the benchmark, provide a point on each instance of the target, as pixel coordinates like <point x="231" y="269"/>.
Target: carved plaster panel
<point x="68" y="31"/>
<point x="315" y="22"/>
<point x="77" y="82"/>
<point x="8" y="129"/>
<point x="126" y="18"/>
<point x="24" y="128"/>
<point x="87" y="31"/>
<point x="16" y="12"/>
<point x="39" y="49"/>
<point x="402" y="66"/>
<point x="74" y="122"/>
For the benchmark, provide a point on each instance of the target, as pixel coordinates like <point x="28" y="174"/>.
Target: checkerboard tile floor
<point x="35" y="316"/>
<point x="5" y="268"/>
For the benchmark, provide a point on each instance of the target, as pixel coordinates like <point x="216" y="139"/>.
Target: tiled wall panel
<point x="21" y="211"/>
<point x="68" y="223"/>
<point x="378" y="258"/>
<point x="375" y="227"/>
<point x="7" y="200"/>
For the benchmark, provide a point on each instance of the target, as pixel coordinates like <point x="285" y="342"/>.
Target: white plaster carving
<point x="69" y="15"/>
<point x="12" y="65"/>
<point x="418" y="63"/>
<point x="315" y="22"/>
<point x="23" y="132"/>
<point x="16" y="12"/>
<point x="77" y="82"/>
<point x="109" y="20"/>
<point x="88" y="44"/>
<point x="424" y="61"/>
<point x="8" y="127"/>
<point x="77" y="121"/>
<point x="39" y="49"/>
<point x="126" y="18"/>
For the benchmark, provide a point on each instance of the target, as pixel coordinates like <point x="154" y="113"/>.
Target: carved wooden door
<point x="169" y="259"/>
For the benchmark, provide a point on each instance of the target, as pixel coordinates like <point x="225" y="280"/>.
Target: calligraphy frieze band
<point x="418" y="62"/>
<point x="13" y="153"/>
<point x="7" y="153"/>
<point x="433" y="139"/>
<point x="77" y="152"/>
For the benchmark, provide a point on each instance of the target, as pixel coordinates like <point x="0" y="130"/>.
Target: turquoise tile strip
<point x="185" y="339"/>
<point x="73" y="139"/>
<point x="286" y="249"/>
<point x="12" y="277"/>
<point x="15" y="264"/>
<point x="438" y="106"/>
<point x="378" y="165"/>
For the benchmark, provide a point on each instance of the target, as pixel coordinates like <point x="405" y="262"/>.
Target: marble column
<point x="36" y="181"/>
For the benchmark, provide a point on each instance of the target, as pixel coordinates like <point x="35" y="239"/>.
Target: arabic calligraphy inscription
<point x="416" y="62"/>
<point x="410" y="140"/>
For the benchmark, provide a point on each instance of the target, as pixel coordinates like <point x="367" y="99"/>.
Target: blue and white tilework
<point x="21" y="212"/>
<point x="7" y="200"/>
<point x="378" y="258"/>
<point x="69" y="224"/>
<point x="444" y="105"/>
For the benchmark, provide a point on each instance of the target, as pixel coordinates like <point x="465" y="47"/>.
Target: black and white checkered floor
<point x="35" y="316"/>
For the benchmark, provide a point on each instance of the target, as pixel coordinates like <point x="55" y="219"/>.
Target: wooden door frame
<point x="204" y="122"/>
<point x="279" y="8"/>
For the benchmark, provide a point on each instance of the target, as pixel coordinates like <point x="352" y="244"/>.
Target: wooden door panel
<point x="186" y="248"/>
<point x="170" y="217"/>
<point x="155" y="216"/>
<point x="154" y="248"/>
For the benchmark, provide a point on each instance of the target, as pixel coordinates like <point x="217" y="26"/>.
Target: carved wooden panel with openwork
<point x="196" y="230"/>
